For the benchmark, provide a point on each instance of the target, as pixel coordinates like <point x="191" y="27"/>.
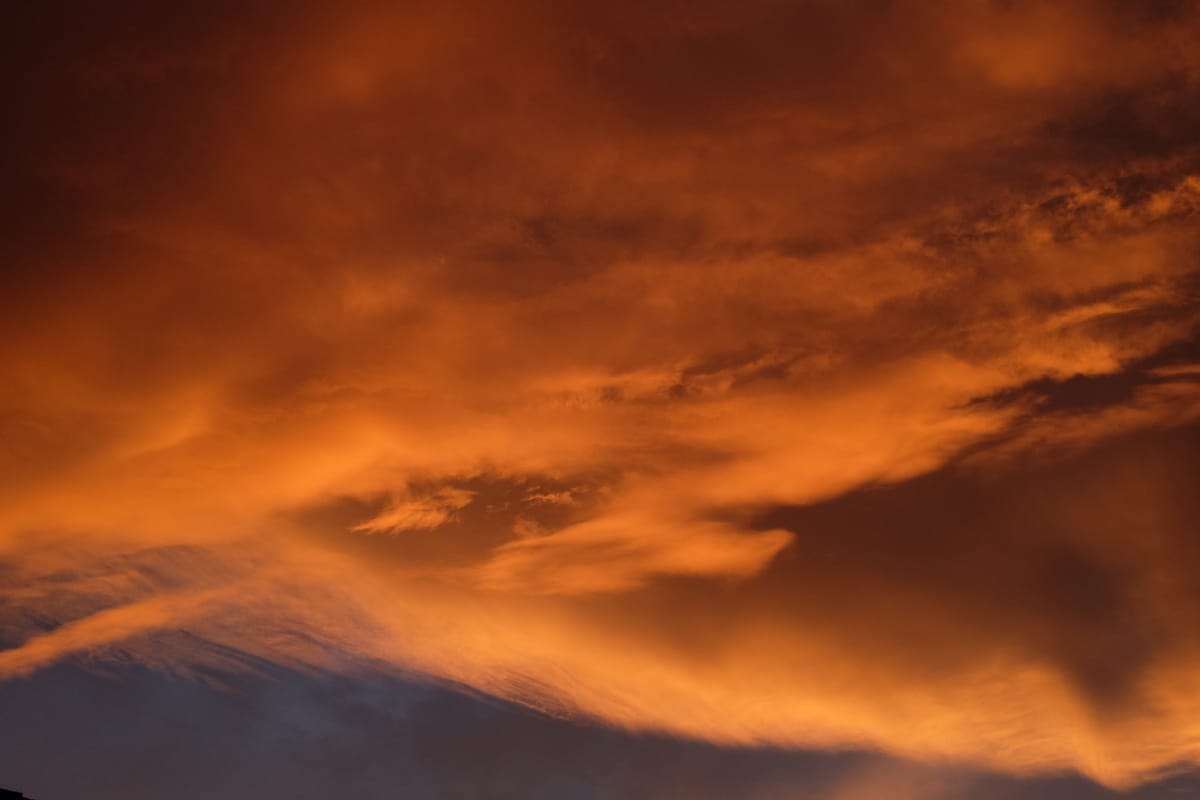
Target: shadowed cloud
<point x="816" y="375"/>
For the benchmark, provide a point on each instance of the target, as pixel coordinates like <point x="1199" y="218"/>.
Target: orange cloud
<point x="666" y="349"/>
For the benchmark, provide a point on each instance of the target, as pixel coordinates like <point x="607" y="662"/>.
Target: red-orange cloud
<point x="569" y="353"/>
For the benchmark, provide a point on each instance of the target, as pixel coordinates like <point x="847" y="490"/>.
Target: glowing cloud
<point x="806" y="375"/>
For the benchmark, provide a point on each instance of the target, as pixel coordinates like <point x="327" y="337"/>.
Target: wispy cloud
<point x="574" y="364"/>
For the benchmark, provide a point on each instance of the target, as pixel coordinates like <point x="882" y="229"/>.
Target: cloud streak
<point x="569" y="353"/>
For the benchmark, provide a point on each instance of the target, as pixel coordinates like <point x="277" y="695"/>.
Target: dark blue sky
<point x="72" y="734"/>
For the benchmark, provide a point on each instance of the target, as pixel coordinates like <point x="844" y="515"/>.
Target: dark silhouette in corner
<point x="9" y="794"/>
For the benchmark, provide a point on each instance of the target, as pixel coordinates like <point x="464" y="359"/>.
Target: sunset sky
<point x="569" y="400"/>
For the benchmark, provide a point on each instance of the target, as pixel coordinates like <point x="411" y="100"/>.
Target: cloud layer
<point x="817" y="375"/>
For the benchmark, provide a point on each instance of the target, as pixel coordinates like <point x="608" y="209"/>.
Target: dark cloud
<point x="808" y="376"/>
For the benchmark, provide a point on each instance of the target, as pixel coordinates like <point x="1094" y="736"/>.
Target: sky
<point x="600" y="399"/>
